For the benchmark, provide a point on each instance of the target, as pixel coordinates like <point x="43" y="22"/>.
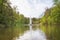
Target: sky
<point x="32" y="8"/>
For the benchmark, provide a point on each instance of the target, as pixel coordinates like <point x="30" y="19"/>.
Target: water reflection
<point x="47" y="32"/>
<point x="52" y="31"/>
<point x="36" y="35"/>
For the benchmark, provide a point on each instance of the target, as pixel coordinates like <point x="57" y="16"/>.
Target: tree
<point x="8" y="19"/>
<point x="56" y="2"/>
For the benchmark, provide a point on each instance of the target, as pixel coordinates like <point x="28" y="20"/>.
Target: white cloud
<point x="32" y="8"/>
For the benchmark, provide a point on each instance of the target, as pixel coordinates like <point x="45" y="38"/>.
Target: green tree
<point x="8" y="19"/>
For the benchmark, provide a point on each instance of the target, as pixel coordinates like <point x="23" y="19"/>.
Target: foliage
<point x="51" y="21"/>
<point x="11" y="22"/>
<point x="56" y="2"/>
<point x="52" y="15"/>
